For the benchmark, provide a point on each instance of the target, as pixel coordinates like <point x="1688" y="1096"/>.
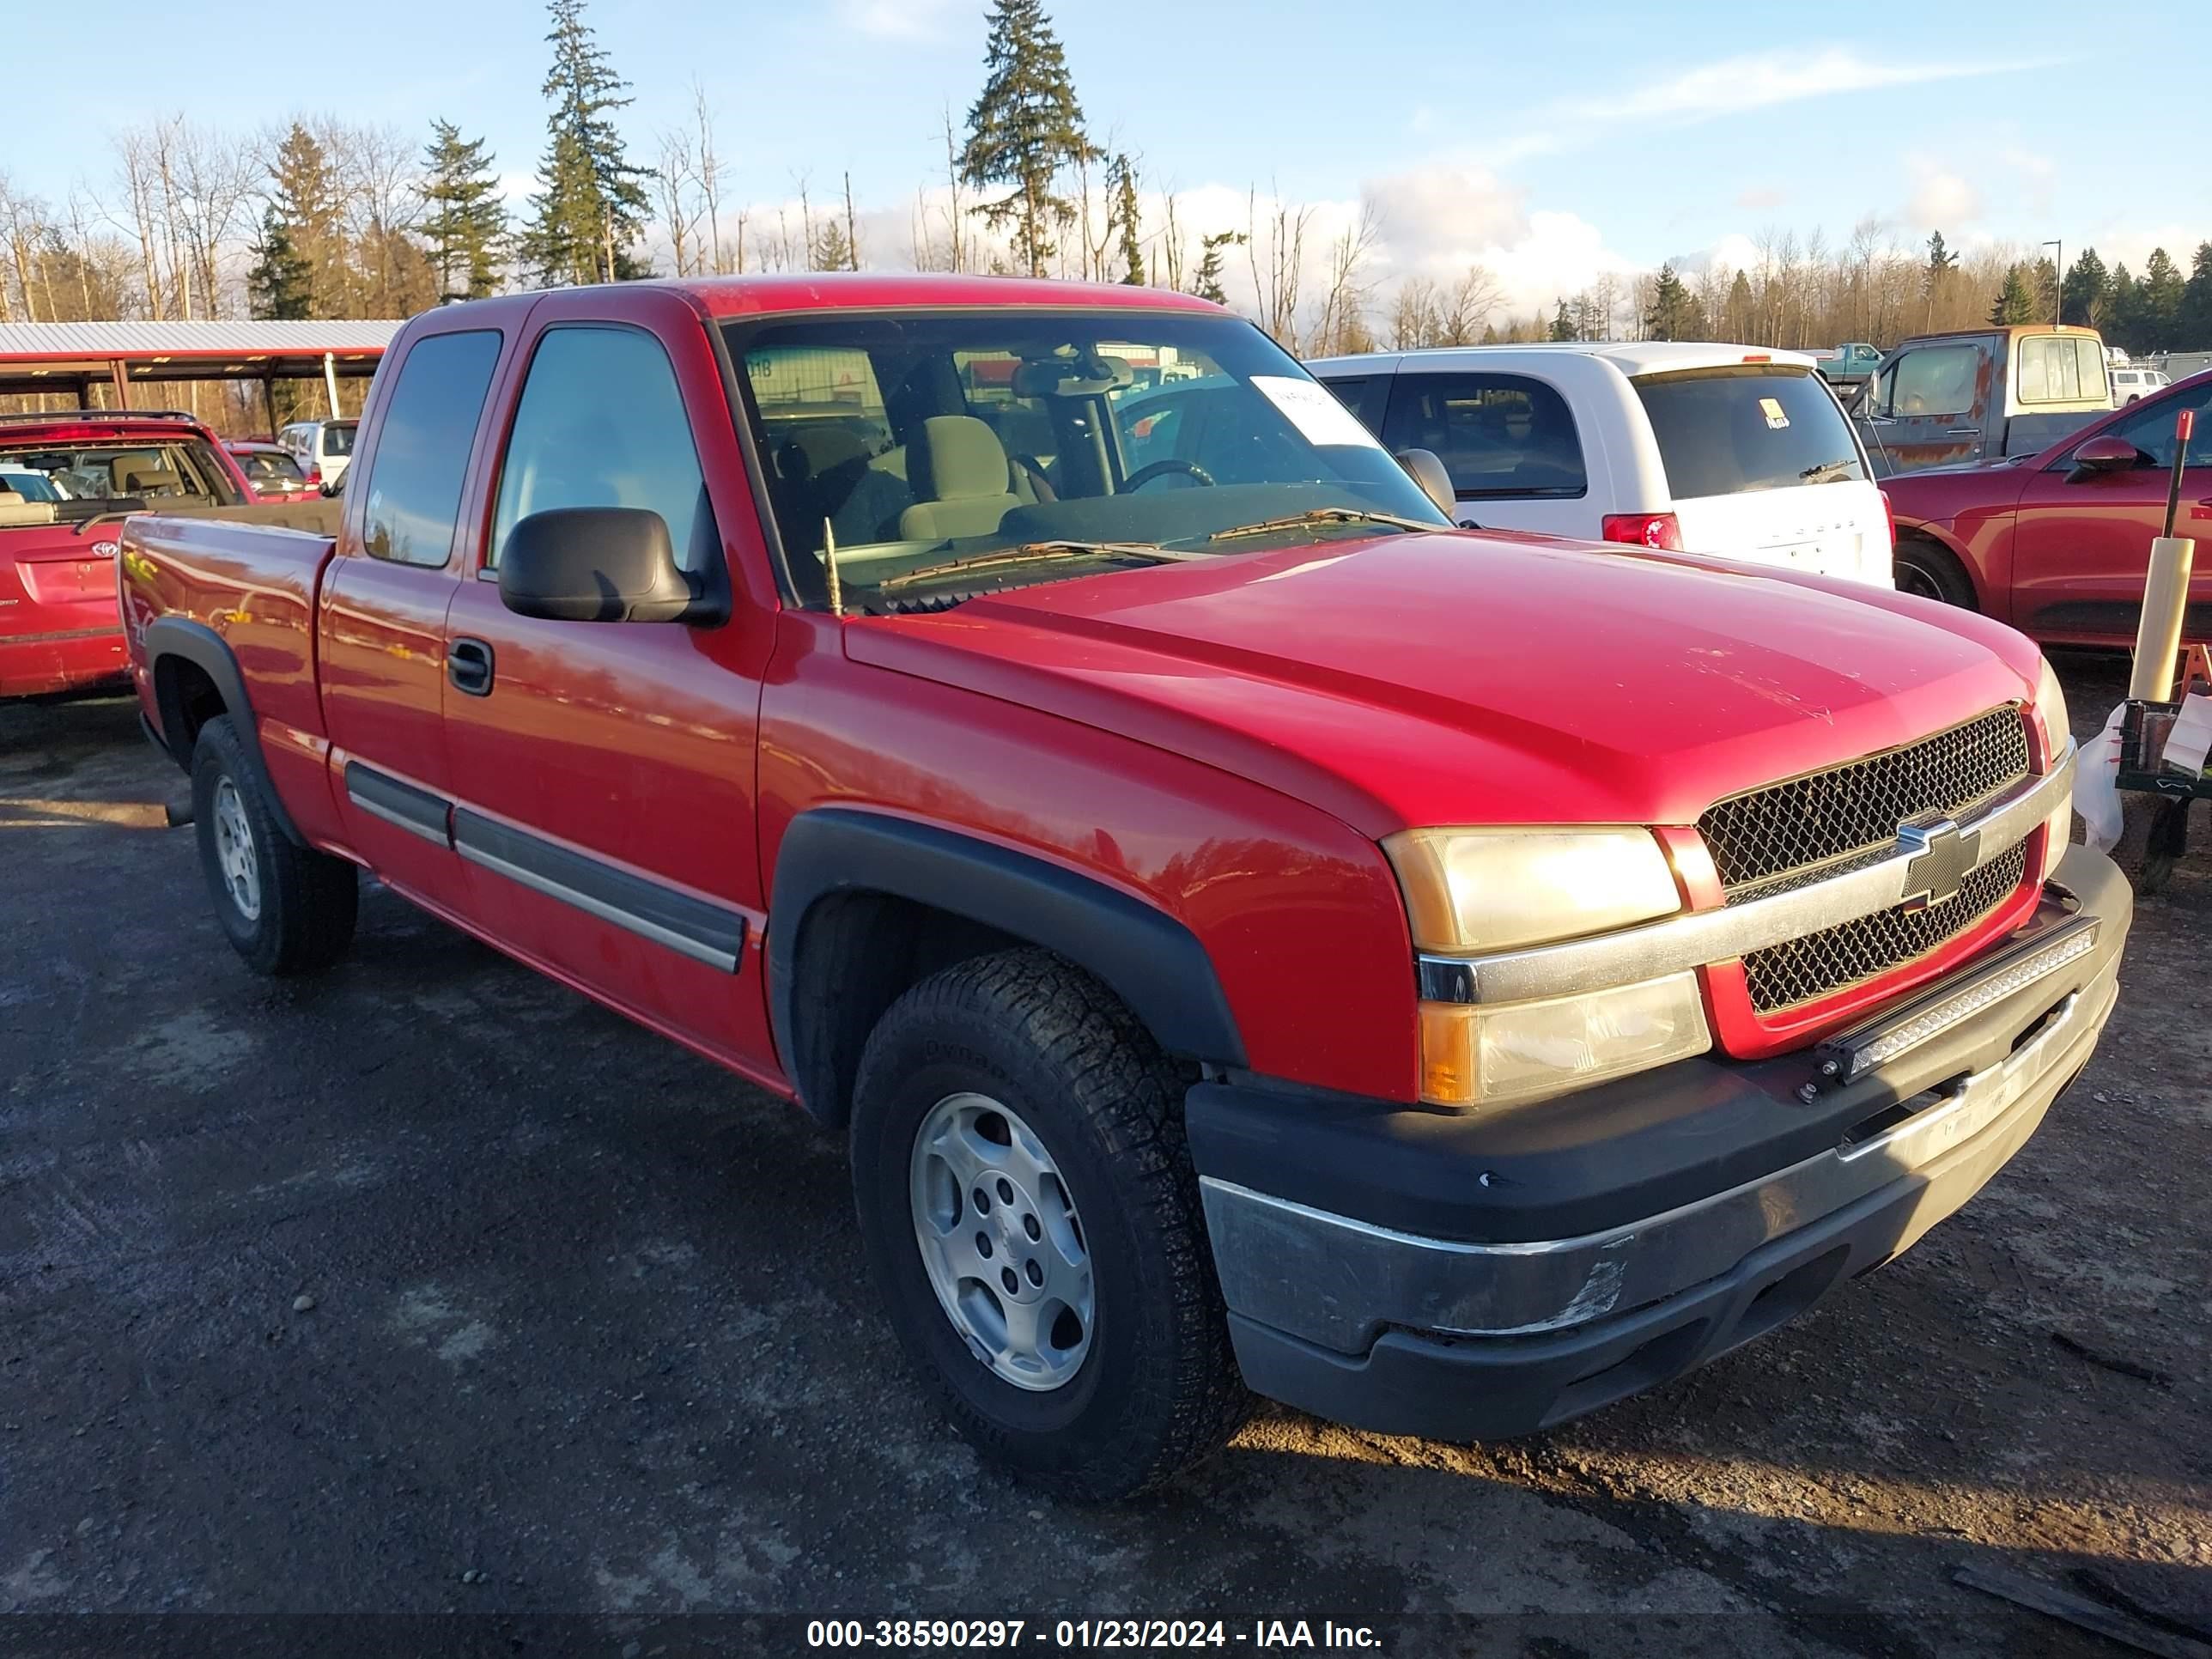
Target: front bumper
<point x="1434" y="1301"/>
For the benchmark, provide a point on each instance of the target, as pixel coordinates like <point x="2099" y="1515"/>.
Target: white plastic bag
<point x="2096" y="792"/>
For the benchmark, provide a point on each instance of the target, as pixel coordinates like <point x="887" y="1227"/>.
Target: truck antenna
<point x="829" y="564"/>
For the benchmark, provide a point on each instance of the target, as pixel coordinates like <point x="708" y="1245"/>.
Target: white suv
<point x="1727" y="450"/>
<point x="322" y="448"/>
<point x="2132" y="385"/>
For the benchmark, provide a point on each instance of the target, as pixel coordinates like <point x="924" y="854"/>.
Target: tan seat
<point x="15" y="511"/>
<point x="139" y="475"/>
<point x="964" y="479"/>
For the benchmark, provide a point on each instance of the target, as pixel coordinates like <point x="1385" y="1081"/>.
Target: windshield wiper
<point x="1324" y="515"/>
<point x="1035" y="553"/>
<point x="1828" y="472"/>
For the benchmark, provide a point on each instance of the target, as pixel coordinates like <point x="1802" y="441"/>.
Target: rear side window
<point x="1724" y="431"/>
<point x="602" y="424"/>
<point x="2059" y="369"/>
<point x="1498" y="436"/>
<point x="1365" y="395"/>
<point x="337" y="438"/>
<point x="422" y="452"/>
<point x="1930" y="380"/>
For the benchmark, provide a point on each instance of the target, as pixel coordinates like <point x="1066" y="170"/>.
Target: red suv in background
<point x="2057" y="544"/>
<point x="66" y="480"/>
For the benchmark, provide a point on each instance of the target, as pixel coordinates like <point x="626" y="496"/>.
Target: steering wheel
<point x="1145" y="475"/>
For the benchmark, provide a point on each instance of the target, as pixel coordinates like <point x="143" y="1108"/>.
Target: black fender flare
<point x="209" y="652"/>
<point x="1145" y="956"/>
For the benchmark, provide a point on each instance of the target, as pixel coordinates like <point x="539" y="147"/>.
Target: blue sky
<point x="1550" y="142"/>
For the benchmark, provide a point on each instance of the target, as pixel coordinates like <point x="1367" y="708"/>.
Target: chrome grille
<point x="1767" y="838"/>
<point x="1836" y="958"/>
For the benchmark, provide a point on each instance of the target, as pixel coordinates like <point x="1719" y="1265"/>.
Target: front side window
<point x="1727" y="431"/>
<point x="1500" y="436"/>
<point x="1022" y="444"/>
<point x="422" y="457"/>
<point x="2151" y="430"/>
<point x="1930" y="380"/>
<point x="602" y="424"/>
<point x="2059" y="369"/>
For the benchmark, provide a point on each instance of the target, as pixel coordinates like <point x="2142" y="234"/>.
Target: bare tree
<point x="709" y="175"/>
<point x="1461" y="313"/>
<point x="1341" y="325"/>
<point x="673" y="177"/>
<point x="1276" y="272"/>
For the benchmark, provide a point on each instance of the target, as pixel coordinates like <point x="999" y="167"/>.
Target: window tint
<point x="1496" y="434"/>
<point x="1930" y="380"/>
<point x="2057" y="368"/>
<point x="1365" y="395"/>
<point x="337" y="438"/>
<point x="423" y="456"/>
<point x="2150" y="429"/>
<point x="602" y="424"/>
<point x="1723" y="431"/>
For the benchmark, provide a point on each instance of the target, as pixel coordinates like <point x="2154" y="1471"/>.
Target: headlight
<point x="1500" y="1054"/>
<point x="1491" y="889"/>
<point x="2054" y="727"/>
<point x="2049" y="714"/>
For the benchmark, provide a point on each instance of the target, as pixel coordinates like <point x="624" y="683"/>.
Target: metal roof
<point x="74" y="341"/>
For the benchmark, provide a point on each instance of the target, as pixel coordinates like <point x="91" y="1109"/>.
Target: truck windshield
<point x="1754" y="426"/>
<point x="914" y="443"/>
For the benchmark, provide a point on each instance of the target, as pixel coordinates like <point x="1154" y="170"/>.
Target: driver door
<point x="2082" y="544"/>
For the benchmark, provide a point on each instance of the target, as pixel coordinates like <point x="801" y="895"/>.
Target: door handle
<point x="468" y="664"/>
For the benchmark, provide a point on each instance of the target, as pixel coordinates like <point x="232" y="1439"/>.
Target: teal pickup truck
<point x="1849" y="364"/>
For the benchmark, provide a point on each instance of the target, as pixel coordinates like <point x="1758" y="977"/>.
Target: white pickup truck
<point x="1735" y="450"/>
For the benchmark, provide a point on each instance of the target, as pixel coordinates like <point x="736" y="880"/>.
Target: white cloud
<point x="2038" y="175"/>
<point x="1732" y="86"/>
<point x="1941" y="199"/>
<point x="901" y="20"/>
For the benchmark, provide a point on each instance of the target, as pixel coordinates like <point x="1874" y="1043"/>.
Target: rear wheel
<point x="1031" y="1215"/>
<point x="1929" y="572"/>
<point x="285" y="908"/>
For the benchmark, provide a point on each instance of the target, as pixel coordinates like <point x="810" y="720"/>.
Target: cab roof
<point x="1632" y="358"/>
<point x="857" y="290"/>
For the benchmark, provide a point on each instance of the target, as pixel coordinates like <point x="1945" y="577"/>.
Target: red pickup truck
<point x="2058" y="543"/>
<point x="65" y="481"/>
<point x="1252" y="935"/>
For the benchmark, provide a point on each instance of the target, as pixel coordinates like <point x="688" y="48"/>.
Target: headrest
<point x="9" y="498"/>
<point x="961" y="459"/>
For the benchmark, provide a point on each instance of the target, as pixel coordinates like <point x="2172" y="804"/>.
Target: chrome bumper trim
<point x="1337" y="1282"/>
<point x="1697" y="938"/>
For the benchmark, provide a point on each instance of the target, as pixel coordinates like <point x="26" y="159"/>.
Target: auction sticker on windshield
<point x="1314" y="409"/>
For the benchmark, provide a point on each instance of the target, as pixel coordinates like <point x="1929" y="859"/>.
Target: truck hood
<point x="1475" y="678"/>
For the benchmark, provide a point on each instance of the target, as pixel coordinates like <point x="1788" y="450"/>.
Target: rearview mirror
<point x="2105" y="453"/>
<point x="593" y="564"/>
<point x="1425" y="470"/>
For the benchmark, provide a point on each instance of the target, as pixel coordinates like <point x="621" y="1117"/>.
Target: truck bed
<point x="249" y="576"/>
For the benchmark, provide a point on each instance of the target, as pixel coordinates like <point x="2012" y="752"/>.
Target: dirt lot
<point x="590" y="1344"/>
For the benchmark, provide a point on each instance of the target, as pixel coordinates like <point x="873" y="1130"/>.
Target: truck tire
<point x="285" y="907"/>
<point x="1029" y="1213"/>
<point x="1930" y="571"/>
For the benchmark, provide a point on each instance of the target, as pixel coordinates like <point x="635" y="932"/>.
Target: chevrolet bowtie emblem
<point x="1943" y="854"/>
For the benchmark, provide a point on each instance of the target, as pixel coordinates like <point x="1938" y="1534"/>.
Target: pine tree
<point x="467" y="227"/>
<point x="2158" y="304"/>
<point x="2195" y="324"/>
<point x="1672" y="315"/>
<point x="1936" y="275"/>
<point x="1024" y="128"/>
<point x="277" y="285"/>
<point x="2015" y="303"/>
<point x="1206" y="284"/>
<point x="2087" y="296"/>
<point x="590" y="206"/>
<point x="302" y="228"/>
<point x="832" y="249"/>
<point x="1130" y="218"/>
<point x="2119" y="327"/>
<point x="1563" y="322"/>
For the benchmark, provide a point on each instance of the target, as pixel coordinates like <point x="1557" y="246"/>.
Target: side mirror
<point x="1427" y="470"/>
<point x="2105" y="453"/>
<point x="593" y="564"/>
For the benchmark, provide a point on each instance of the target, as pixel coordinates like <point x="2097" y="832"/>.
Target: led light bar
<point x="1850" y="1056"/>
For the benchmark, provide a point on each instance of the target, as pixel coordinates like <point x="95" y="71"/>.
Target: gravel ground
<point x="430" y="1287"/>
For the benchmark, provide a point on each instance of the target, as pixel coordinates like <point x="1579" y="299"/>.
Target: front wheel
<point x="1029" y="1213"/>
<point x="285" y="907"/>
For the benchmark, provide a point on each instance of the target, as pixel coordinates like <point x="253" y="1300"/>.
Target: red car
<point x="2057" y="544"/>
<point x="66" y="480"/>
<point x="271" y="472"/>
<point x="1252" y="935"/>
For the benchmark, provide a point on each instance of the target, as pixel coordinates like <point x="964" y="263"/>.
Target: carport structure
<point x="79" y="358"/>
